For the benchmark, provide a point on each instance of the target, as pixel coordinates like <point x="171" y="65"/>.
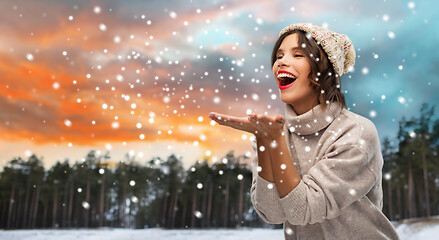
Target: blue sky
<point x="178" y="60"/>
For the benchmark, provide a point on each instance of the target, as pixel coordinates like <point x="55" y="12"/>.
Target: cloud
<point x="177" y="72"/>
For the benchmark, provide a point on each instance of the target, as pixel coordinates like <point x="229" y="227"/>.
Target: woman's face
<point x="291" y="71"/>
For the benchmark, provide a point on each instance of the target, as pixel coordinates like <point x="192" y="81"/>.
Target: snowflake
<point x="85" y="205"/>
<point x="30" y="57"/>
<point x="365" y="70"/>
<point x="97" y="9"/>
<point x="391" y="35"/>
<point x="102" y="27"/>
<point x="352" y="192"/>
<point x="68" y="123"/>
<point x="198" y="214"/>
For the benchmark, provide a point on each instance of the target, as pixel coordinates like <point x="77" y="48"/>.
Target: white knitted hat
<point x="338" y="47"/>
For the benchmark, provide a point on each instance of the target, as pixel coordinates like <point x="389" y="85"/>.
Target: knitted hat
<point x="338" y="47"/>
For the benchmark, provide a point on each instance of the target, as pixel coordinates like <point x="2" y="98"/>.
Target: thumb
<point x="280" y="118"/>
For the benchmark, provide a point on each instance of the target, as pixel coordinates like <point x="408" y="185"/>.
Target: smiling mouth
<point x="286" y="79"/>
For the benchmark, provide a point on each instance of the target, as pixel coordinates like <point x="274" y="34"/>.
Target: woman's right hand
<point x="240" y="123"/>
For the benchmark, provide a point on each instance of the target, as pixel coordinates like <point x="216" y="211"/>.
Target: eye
<point x="279" y="57"/>
<point x="298" y="55"/>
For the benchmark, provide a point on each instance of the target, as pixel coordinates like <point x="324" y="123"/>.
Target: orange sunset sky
<point x="140" y="77"/>
<point x="105" y="76"/>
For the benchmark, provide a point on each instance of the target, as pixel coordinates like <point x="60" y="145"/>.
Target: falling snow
<point x="30" y="57"/>
<point x="352" y="192"/>
<point x="85" y="205"/>
<point x="108" y="72"/>
<point x="198" y="214"/>
<point x="391" y="35"/>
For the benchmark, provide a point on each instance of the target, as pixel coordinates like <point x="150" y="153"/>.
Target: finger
<point x="253" y="118"/>
<point x="280" y="118"/>
<point x="264" y="119"/>
<point x="218" y="116"/>
<point x="212" y="115"/>
<point x="270" y="120"/>
<point x="231" y="121"/>
<point x="219" y="121"/>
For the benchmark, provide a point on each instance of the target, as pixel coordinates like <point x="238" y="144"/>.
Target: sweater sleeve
<point x="264" y="195"/>
<point x="337" y="180"/>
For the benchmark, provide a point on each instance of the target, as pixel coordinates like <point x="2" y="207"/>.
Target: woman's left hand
<point x="270" y="127"/>
<point x="258" y="124"/>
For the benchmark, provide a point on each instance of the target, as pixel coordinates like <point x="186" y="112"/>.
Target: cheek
<point x="275" y="68"/>
<point x="307" y="67"/>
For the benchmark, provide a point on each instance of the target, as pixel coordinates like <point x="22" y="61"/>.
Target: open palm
<point x="257" y="124"/>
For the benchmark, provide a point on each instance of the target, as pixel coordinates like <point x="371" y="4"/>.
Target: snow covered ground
<point x="153" y="234"/>
<point x="425" y="229"/>
<point x="411" y="230"/>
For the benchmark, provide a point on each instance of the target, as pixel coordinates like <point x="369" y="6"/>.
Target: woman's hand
<point x="240" y="123"/>
<point x="260" y="125"/>
<point x="269" y="127"/>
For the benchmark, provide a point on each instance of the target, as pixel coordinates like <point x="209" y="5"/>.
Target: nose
<point x="283" y="61"/>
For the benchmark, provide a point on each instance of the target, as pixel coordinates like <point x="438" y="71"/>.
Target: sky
<point x="140" y="77"/>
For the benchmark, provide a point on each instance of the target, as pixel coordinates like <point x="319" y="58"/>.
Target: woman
<point x="318" y="169"/>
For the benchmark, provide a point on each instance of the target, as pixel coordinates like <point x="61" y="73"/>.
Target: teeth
<point x="283" y="75"/>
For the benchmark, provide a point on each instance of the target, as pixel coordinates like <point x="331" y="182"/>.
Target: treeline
<point x="161" y="193"/>
<point x="411" y="169"/>
<point x="129" y="195"/>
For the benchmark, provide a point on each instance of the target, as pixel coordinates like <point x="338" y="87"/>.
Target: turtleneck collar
<point x="312" y="121"/>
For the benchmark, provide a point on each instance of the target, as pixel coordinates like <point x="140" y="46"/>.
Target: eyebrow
<point x="294" y="49"/>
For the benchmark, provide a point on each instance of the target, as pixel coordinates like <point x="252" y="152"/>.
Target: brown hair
<point x="322" y="74"/>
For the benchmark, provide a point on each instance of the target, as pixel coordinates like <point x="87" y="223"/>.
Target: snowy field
<point x="425" y="230"/>
<point x="118" y="234"/>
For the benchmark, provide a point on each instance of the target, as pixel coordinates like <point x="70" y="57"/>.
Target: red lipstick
<point x="282" y="77"/>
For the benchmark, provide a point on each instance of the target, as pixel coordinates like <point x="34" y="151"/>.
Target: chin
<point x="286" y="99"/>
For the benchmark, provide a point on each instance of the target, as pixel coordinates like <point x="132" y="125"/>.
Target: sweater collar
<point x="312" y="121"/>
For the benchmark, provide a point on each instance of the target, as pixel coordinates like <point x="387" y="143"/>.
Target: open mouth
<point x="286" y="79"/>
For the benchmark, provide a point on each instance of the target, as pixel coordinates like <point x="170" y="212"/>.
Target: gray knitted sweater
<point x="337" y="154"/>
